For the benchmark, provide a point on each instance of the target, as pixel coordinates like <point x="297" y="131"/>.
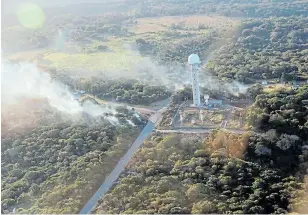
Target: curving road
<point x="114" y="175"/>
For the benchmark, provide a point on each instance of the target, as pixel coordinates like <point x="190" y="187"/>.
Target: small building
<point x="264" y="83"/>
<point x="214" y="103"/>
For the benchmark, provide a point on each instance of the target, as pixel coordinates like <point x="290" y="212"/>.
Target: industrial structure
<point x="207" y="112"/>
<point x="194" y="62"/>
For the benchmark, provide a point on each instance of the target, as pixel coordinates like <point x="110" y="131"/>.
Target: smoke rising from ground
<point x="154" y="74"/>
<point x="25" y="80"/>
<point x="172" y="75"/>
<point x="175" y="76"/>
<point x="213" y="84"/>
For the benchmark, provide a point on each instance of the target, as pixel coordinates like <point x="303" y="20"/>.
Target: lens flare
<point x="30" y="15"/>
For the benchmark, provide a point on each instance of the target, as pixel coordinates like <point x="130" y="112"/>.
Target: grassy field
<point x="119" y="55"/>
<point x="156" y="24"/>
<point x="81" y="61"/>
<point x="92" y="62"/>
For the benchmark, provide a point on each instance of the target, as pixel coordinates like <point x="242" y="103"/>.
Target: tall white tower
<point x="206" y="99"/>
<point x="194" y="61"/>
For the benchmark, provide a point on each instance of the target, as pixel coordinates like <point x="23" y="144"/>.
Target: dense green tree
<point x="55" y="167"/>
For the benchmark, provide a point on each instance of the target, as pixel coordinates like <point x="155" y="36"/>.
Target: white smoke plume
<point x="213" y="84"/>
<point x="96" y="110"/>
<point x="176" y="76"/>
<point x="130" y="122"/>
<point x="25" y="80"/>
<point x="138" y="117"/>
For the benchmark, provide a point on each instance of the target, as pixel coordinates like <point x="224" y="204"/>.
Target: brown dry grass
<point x="276" y="87"/>
<point x="233" y="145"/>
<point x="300" y="204"/>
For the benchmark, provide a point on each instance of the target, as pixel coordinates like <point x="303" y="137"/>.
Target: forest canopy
<point x="57" y="164"/>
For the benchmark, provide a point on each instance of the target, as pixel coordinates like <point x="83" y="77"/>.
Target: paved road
<point x="157" y="117"/>
<point x="114" y="175"/>
<point x="200" y="131"/>
<point x="147" y="130"/>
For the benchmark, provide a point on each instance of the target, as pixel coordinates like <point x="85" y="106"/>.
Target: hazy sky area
<point x="9" y="6"/>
